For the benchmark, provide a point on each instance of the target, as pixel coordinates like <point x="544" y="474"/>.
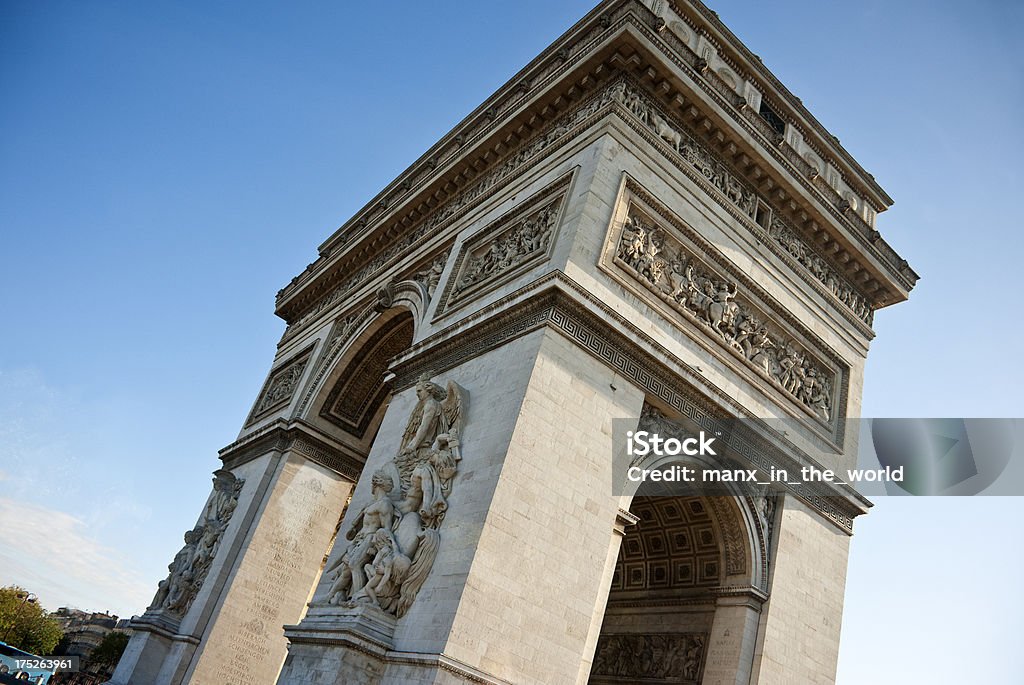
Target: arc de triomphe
<point x="642" y="223"/>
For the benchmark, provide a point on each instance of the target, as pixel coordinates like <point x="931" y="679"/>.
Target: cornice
<point x="823" y="215"/>
<point x="744" y="60"/>
<point x="537" y="95"/>
<point x="299" y="437"/>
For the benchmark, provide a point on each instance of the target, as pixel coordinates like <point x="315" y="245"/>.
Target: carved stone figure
<point x="431" y="275"/>
<point x="736" y="192"/>
<point x="281" y="386"/>
<point x="715" y="302"/>
<point x="523" y="240"/>
<point x="191" y="564"/>
<point x="395" y="539"/>
<point x="347" y="571"/>
<point x="654" y="657"/>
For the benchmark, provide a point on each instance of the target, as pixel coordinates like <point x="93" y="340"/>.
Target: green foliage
<point x="109" y="651"/>
<point x="26" y="625"/>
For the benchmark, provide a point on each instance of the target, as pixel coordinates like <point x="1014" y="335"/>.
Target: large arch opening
<point x="665" y="611"/>
<point x="350" y="403"/>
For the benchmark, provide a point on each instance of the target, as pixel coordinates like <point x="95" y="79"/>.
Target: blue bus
<point x="17" y="666"/>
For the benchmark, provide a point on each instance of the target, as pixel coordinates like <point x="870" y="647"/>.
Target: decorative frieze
<point x="729" y="184"/>
<point x="176" y="593"/>
<point x="393" y="540"/>
<point x="501" y="171"/>
<point x="734" y="190"/>
<point x="514" y="247"/>
<point x="730" y="187"/>
<point x="510" y="245"/>
<point x="659" y="260"/>
<point x="280" y="386"/>
<point x="654" y="658"/>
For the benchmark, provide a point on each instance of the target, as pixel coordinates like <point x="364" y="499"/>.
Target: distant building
<point x="83" y="630"/>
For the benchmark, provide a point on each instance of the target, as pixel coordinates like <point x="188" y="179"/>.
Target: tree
<point x="109" y="651"/>
<point x="26" y="625"/>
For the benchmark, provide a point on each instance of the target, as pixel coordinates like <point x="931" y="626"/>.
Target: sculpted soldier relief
<point x="664" y="266"/>
<point x="511" y="244"/>
<point x="510" y="249"/>
<point x="738" y="193"/>
<point x="192" y="563"/>
<point x="395" y="538"/>
<point x="670" y="658"/>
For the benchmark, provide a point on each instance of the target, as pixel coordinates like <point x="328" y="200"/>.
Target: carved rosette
<point x="394" y="539"/>
<point x="716" y="303"/>
<point x="175" y="595"/>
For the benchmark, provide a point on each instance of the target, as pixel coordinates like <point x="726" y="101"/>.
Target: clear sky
<point x="165" y="167"/>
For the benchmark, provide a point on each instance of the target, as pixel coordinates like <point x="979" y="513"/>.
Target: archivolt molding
<point x="556" y="302"/>
<point x="745" y="525"/>
<point x="414" y="294"/>
<point x="343" y="330"/>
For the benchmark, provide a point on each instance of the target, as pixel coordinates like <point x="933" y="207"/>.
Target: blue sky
<point x="166" y="167"/>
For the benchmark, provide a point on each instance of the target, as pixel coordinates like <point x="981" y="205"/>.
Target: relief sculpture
<point x="689" y="287"/>
<point x="672" y="658"/>
<point x="513" y="247"/>
<point x="394" y="539"/>
<point x="176" y="593"/>
<point x="741" y="196"/>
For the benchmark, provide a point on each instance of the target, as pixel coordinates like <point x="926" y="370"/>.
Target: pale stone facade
<point x="642" y="225"/>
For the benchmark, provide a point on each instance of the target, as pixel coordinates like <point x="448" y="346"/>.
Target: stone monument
<point x="642" y="225"/>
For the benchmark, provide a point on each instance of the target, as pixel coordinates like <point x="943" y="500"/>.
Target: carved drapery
<point x="394" y="539"/>
<point x="430" y="275"/>
<point x="176" y="593"/>
<point x="667" y="657"/>
<point x="513" y="247"/>
<point x="665" y="266"/>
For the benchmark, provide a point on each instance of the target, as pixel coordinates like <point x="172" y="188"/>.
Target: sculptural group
<point x="394" y="539"/>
